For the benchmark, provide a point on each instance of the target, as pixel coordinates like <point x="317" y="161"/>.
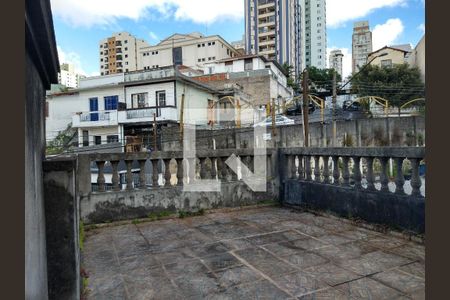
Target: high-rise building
<point x="336" y="61"/>
<point x="68" y="76"/>
<point x="119" y="53"/>
<point x="361" y="44"/>
<point x="314" y="33"/>
<point x="273" y="29"/>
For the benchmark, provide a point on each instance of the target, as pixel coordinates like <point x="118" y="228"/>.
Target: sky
<point x="81" y="24"/>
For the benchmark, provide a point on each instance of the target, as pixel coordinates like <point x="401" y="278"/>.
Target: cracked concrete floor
<point x="261" y="253"/>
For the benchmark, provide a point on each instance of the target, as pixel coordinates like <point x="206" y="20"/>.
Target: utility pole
<point x="305" y="107"/>
<point x="334" y="108"/>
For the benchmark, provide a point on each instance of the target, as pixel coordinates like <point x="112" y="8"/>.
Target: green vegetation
<point x="321" y="79"/>
<point x="62" y="141"/>
<point x="398" y="84"/>
<point x="348" y="141"/>
<point x="157" y="216"/>
<point x="183" y="214"/>
<point x="136" y="221"/>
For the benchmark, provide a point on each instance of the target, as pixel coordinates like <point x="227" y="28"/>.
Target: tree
<point x="398" y="84"/>
<point x="321" y="79"/>
<point x="288" y="70"/>
<point x="62" y="141"/>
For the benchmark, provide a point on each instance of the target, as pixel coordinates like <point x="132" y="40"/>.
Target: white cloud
<point x="346" y="60"/>
<point x="386" y="34"/>
<point x="341" y="11"/>
<point x="421" y="27"/>
<point x="71" y="58"/>
<point x="87" y="13"/>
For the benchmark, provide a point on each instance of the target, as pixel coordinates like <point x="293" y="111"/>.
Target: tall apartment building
<point x="273" y="29"/>
<point x="118" y="53"/>
<point x="68" y="76"/>
<point x="314" y="33"/>
<point x="361" y="44"/>
<point x="191" y="50"/>
<point x="336" y="61"/>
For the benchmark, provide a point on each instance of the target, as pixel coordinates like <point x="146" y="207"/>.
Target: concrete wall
<point x="125" y="205"/>
<point x="35" y="236"/>
<point x="402" y="131"/>
<point x="403" y="212"/>
<point x="62" y="228"/>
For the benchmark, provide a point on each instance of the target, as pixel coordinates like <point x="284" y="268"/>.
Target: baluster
<point x="142" y="181"/>
<point x="370" y="178"/>
<point x="336" y="172"/>
<point x="167" y="174"/>
<point x="203" y="168"/>
<point x="213" y="168"/>
<point x="155" y="174"/>
<point x="384" y="177"/>
<point x="415" y="178"/>
<point x="400" y="179"/>
<point x="129" y="164"/>
<point x="308" y="168"/>
<point x="180" y="171"/>
<point x="357" y="171"/>
<point x="115" y="175"/>
<point x="326" y="170"/>
<point x="346" y="172"/>
<point x="101" y="176"/>
<point x="301" y="170"/>
<point x="316" y="168"/>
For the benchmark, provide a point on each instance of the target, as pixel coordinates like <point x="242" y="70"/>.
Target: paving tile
<point x="331" y="274"/>
<point x="410" y="250"/>
<point x="401" y="281"/>
<point x="237" y="244"/>
<point x="334" y="239"/>
<point x="261" y="290"/>
<point x="198" y="286"/>
<point x="366" y="288"/>
<point x="236" y="275"/>
<point x="267" y="238"/>
<point x="299" y="283"/>
<point x="264" y="261"/>
<point x="359" y="234"/>
<point x="220" y="261"/>
<point x="109" y="287"/>
<point x="129" y="263"/>
<point x="416" y="269"/>
<point x="228" y="230"/>
<point x="386" y="242"/>
<point x="179" y="255"/>
<point x="310" y="243"/>
<point x="305" y="259"/>
<point x="283" y="249"/>
<point x="210" y="249"/>
<point x="346" y="251"/>
<point x="373" y="262"/>
<point x="186" y="268"/>
<point x="325" y="294"/>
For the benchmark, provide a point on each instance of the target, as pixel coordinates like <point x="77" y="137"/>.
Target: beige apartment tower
<point x="361" y="44"/>
<point x="119" y="53"/>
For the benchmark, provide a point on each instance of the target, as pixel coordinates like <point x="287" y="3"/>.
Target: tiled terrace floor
<point x="263" y="253"/>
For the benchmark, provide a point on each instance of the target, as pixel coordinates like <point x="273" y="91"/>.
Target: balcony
<point x="146" y="115"/>
<point x="150" y="74"/>
<point x="118" y="57"/>
<point x="95" y="118"/>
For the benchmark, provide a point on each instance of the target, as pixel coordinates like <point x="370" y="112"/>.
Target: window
<point x="199" y="60"/>
<point x="98" y="139"/>
<point x="112" y="139"/>
<point x="209" y="44"/>
<point x="126" y="55"/>
<point x="126" y="48"/>
<point x="139" y="100"/>
<point x="386" y="63"/>
<point x="198" y="45"/>
<point x="161" y="98"/>
<point x="213" y="43"/>
<point x="125" y="42"/>
<point x="111" y="102"/>
<point x="85" y="138"/>
<point x="248" y="64"/>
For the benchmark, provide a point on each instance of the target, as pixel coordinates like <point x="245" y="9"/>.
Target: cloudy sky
<point x="80" y="24"/>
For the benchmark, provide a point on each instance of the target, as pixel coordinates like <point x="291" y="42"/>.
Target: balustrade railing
<point x="169" y="168"/>
<point x="384" y="169"/>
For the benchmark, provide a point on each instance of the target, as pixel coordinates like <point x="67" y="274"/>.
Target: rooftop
<point x="267" y="252"/>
